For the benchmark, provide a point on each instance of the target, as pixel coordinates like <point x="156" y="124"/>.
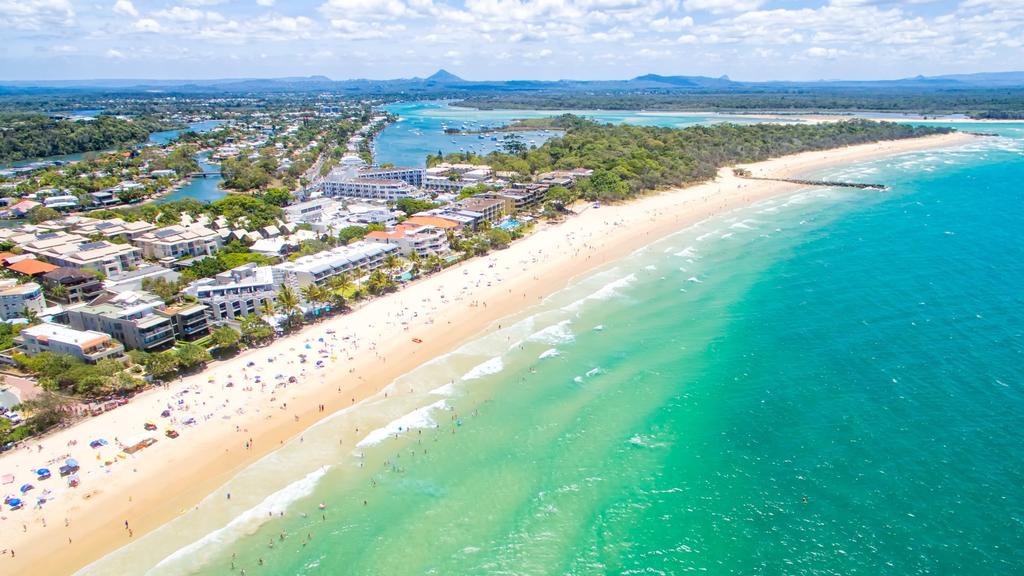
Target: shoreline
<point x="155" y="485"/>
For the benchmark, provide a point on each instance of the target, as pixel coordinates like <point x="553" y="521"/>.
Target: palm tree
<point x="392" y="263"/>
<point x="288" y="304"/>
<point x="313" y="295"/>
<point x="32" y="316"/>
<point x="267" y="309"/>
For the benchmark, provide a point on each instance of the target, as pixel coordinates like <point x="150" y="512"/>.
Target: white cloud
<point x="115" y="54"/>
<point x="147" y="25"/>
<point x="35" y="15"/>
<point x="722" y="6"/>
<point x="266" y="3"/>
<point x="181" y="14"/>
<point x="667" y="24"/>
<point x="126" y="8"/>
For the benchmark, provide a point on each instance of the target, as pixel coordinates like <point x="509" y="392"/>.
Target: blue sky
<point x="507" y="39"/>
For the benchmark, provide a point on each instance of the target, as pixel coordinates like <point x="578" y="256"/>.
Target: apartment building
<point x="16" y="299"/>
<point x="130" y="317"/>
<point x="492" y="209"/>
<point x="357" y="258"/>
<point x="412" y="239"/>
<point x="86" y="345"/>
<point x="75" y="251"/>
<point x="176" y="241"/>
<point x="237" y="292"/>
<point x="74" y="285"/>
<point x="368" y="188"/>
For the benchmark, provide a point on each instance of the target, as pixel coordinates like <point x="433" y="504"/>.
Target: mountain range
<point x="445" y="82"/>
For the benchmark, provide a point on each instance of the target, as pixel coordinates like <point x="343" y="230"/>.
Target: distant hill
<point x="444" y="82"/>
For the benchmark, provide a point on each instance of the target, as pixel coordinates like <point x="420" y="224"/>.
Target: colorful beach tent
<point x="43" y="473"/>
<point x="97" y="443"/>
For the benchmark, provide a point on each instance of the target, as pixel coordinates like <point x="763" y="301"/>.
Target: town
<point x="111" y="282"/>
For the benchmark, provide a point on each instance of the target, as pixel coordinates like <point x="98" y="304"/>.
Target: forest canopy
<point x="25" y="136"/>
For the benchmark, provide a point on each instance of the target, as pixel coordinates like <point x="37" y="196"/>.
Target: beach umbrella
<point x="14" y="503"/>
<point x="71" y="462"/>
<point x="97" y="443"/>
<point x="26" y="488"/>
<point x="43" y="473"/>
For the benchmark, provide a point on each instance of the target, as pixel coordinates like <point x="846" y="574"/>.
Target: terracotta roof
<point x="32" y="267"/>
<point x="433" y="221"/>
<point x="6" y="255"/>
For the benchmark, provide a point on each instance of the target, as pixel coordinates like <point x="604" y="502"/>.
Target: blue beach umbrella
<point x="14" y="503"/>
<point x="43" y="473"/>
<point x="26" y="488"/>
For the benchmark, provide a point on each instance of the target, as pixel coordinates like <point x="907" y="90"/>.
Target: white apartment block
<point x="237" y="292"/>
<point x="368" y="188"/>
<point x="356" y="258"/>
<point x="75" y="251"/>
<point x="174" y="242"/>
<point x="420" y="240"/>
<point x="16" y="298"/>
<point x="86" y="345"/>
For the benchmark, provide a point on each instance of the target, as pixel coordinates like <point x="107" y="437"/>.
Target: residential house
<point x="174" y="242"/>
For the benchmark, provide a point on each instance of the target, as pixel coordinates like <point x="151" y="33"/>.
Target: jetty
<point x="828" y="183"/>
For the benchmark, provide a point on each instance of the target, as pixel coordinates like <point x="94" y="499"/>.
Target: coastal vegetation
<point x="25" y="136"/>
<point x="628" y="160"/>
<point x="975" y="103"/>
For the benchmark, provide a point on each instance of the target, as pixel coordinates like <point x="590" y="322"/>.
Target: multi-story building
<point x="130" y="317"/>
<point x="492" y="209"/>
<point x="188" y="319"/>
<point x="75" y="251"/>
<point x="368" y="188"/>
<point x="86" y="345"/>
<point x="411" y="176"/>
<point x="310" y="211"/>
<point x="75" y="285"/>
<point x="359" y="257"/>
<point x="16" y="299"/>
<point x="173" y="242"/>
<point x="412" y="239"/>
<point x="114" y="228"/>
<point x="237" y="292"/>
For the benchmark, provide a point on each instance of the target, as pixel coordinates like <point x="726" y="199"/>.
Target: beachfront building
<point x="188" y="319"/>
<point x="86" y="345"/>
<point x="356" y="258"/>
<point x="456" y="218"/>
<point x="130" y="317"/>
<point x="70" y="285"/>
<point x="132" y="279"/>
<point x="413" y="239"/>
<point x="311" y="211"/>
<point x="491" y="209"/>
<point x="75" y="251"/>
<point x="174" y="242"/>
<point x="237" y="292"/>
<point x="16" y="300"/>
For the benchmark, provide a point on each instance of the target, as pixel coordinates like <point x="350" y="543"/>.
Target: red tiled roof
<point x="32" y="267"/>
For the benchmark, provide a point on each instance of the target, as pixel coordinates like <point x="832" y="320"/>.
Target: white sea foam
<point x="578" y="379"/>
<point x="693" y="279"/>
<point x="555" y="334"/>
<point x="599" y="327"/>
<point x="605" y="292"/>
<point x="445" y="390"/>
<point x="742" y="225"/>
<point x="549" y="353"/>
<point x="688" y="252"/>
<point x="492" y="366"/>
<point x="594" y="372"/>
<point x="248" y="521"/>
<point x="726" y="235"/>
<point x="418" y="418"/>
<point x="703" y="237"/>
<point x="650" y="267"/>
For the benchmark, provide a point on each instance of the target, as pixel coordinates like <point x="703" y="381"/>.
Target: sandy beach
<point x="245" y="408"/>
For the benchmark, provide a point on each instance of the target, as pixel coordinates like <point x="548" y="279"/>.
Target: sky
<point x="508" y="39"/>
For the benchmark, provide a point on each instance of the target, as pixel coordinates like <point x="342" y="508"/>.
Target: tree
<point x="379" y="282"/>
<point x="413" y="205"/>
<point x="47" y="410"/>
<point x="167" y="291"/>
<point x="559" y="197"/>
<point x="288" y="305"/>
<point x="277" y="196"/>
<point x="513" y="144"/>
<point x="498" y="238"/>
<point x="267" y="309"/>
<point x="255" y="330"/>
<point x="392" y="263"/>
<point x="190" y="355"/>
<point x="226" y="338"/>
<point x="40" y="214"/>
<point x="312" y="294"/>
<point x="350" y="234"/>
<point x="162" y="364"/>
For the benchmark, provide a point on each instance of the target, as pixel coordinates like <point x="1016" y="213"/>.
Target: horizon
<point x="464" y="78"/>
<point x="755" y="40"/>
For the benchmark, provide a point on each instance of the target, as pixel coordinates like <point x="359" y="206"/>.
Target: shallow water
<point x="827" y="383"/>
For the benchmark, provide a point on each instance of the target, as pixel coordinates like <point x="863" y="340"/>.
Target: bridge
<point x="204" y="174"/>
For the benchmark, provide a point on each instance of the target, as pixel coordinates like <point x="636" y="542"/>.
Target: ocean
<point x="825" y="383"/>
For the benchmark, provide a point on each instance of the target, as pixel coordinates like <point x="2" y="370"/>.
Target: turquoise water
<point x="420" y="129"/>
<point x="828" y="383"/>
<point x="202" y="189"/>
